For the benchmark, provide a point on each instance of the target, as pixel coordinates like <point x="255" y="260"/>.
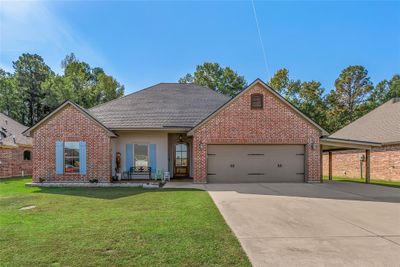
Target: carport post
<point x="330" y="165"/>
<point x="321" y="164"/>
<point x="367" y="166"/>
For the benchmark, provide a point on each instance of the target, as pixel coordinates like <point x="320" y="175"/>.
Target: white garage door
<point x="255" y="163"/>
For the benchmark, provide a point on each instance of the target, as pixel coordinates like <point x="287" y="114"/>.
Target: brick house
<point x="382" y="125"/>
<point x="187" y="130"/>
<point x="15" y="149"/>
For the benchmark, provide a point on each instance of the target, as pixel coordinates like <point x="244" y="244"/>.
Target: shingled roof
<point x="165" y="105"/>
<point x="9" y="129"/>
<point x="380" y="125"/>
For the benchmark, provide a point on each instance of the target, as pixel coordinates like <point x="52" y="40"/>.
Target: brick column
<point x="199" y="161"/>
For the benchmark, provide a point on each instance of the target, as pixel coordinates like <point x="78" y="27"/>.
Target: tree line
<point x="33" y="89"/>
<point x="352" y="96"/>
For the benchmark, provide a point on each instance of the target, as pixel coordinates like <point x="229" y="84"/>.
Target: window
<point x="141" y="156"/>
<point x="27" y="155"/>
<point x="256" y="101"/>
<point x="71" y="157"/>
<point x="181" y="157"/>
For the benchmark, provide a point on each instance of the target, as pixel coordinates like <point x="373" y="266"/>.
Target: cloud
<point x="30" y="26"/>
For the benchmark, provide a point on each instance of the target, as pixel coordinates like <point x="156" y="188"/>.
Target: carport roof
<point x="331" y="144"/>
<point x="380" y="125"/>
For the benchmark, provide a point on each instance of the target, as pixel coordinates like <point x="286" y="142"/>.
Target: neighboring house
<point x="382" y="125"/>
<point x="15" y="149"/>
<point x="188" y="130"/>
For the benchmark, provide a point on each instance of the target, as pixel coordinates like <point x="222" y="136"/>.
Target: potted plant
<point x="118" y="166"/>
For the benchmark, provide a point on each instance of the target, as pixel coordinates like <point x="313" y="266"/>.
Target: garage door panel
<point x="255" y="163"/>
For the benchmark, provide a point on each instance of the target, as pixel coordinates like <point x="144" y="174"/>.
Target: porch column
<point x="330" y="165"/>
<point x="367" y="166"/>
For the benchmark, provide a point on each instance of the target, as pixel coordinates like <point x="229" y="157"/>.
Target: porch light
<point x="201" y="146"/>
<point x="313" y="146"/>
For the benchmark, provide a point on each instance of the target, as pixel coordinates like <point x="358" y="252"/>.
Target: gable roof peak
<point x="85" y="112"/>
<point x="271" y="90"/>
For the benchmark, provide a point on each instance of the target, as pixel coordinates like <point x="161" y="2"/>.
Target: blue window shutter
<point x="59" y="157"/>
<point x="82" y="158"/>
<point x="128" y="156"/>
<point x="153" y="159"/>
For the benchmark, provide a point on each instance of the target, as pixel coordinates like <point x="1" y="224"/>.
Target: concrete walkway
<point x="330" y="224"/>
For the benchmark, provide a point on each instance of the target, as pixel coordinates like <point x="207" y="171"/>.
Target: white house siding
<point x="159" y="138"/>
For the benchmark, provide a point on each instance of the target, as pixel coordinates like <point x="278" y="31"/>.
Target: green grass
<point x="113" y="227"/>
<point x="358" y="180"/>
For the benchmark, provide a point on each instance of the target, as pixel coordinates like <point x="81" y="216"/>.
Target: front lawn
<point x="358" y="180"/>
<point x="113" y="227"/>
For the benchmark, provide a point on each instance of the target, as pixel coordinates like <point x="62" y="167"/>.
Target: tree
<point x="106" y="88"/>
<point x="384" y="91"/>
<point x="30" y="73"/>
<point x="350" y="98"/>
<point x="88" y="86"/>
<point x="312" y="102"/>
<point x="306" y="96"/>
<point x="79" y="78"/>
<point x="34" y="90"/>
<point x="213" y="76"/>
<point x="9" y="98"/>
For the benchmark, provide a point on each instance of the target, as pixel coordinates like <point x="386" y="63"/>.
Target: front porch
<point x="151" y="155"/>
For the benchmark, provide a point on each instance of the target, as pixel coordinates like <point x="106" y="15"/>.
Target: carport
<point x="330" y="144"/>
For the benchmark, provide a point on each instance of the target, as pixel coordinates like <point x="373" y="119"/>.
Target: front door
<point x="181" y="165"/>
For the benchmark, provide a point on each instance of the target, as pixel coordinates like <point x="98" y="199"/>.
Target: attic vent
<point x="256" y="101"/>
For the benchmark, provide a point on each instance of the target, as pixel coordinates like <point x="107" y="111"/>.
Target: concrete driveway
<point x="329" y="224"/>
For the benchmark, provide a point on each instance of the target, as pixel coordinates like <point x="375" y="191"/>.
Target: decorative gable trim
<point x="273" y="92"/>
<point x="28" y="131"/>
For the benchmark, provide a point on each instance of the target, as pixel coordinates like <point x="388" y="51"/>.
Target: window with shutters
<point x="257" y="101"/>
<point x="71" y="157"/>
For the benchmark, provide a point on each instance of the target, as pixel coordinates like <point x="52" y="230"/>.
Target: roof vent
<point x="14" y="138"/>
<point x="4" y="129"/>
<point x="6" y="121"/>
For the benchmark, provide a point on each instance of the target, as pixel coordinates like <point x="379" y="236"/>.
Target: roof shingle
<point x="10" y="128"/>
<point x="380" y="125"/>
<point x="165" y="105"/>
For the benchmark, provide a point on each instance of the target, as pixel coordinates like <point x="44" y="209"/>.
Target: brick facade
<point x="385" y="163"/>
<point x="12" y="163"/>
<point x="71" y="124"/>
<point x="237" y="123"/>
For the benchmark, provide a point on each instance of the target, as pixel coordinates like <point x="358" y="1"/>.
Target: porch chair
<point x="158" y="175"/>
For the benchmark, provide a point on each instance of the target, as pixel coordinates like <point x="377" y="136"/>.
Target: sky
<point x="142" y="43"/>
